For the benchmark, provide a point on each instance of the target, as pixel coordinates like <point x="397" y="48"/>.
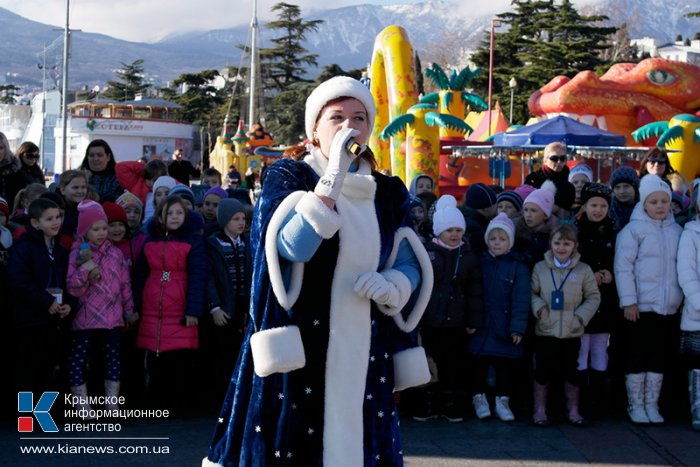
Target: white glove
<point x="339" y="161"/>
<point x="374" y="286"/>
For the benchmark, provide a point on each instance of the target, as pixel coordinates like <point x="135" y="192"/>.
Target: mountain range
<point x="346" y="37"/>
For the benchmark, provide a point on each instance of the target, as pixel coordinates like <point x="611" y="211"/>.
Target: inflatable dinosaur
<point x="628" y="96"/>
<point x="681" y="136"/>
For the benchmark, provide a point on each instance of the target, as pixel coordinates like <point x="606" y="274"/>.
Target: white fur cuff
<point x="410" y="368"/>
<point x="403" y="285"/>
<point x="277" y="350"/>
<point x="207" y="463"/>
<point x="324" y="220"/>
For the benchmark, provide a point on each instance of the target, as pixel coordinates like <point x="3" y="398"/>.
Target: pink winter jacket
<point x="104" y="304"/>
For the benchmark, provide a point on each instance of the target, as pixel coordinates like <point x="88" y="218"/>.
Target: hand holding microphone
<point x="339" y="160"/>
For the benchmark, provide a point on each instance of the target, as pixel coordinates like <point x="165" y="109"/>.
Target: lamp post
<point x="494" y="23"/>
<point x="512" y="84"/>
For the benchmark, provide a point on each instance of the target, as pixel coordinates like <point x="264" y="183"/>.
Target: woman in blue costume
<point x="340" y="281"/>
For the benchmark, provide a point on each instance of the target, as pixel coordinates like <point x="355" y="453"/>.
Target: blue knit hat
<point x="480" y="196"/>
<point x="625" y="174"/>
<point x="182" y="191"/>
<point x="512" y="197"/>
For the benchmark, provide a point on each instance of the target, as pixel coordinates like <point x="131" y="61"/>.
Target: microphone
<point x="355" y="148"/>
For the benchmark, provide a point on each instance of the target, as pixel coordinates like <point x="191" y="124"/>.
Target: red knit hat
<point x="115" y="213"/>
<point x="89" y="212"/>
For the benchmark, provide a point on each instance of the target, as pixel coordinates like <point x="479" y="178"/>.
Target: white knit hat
<point x="651" y="183"/>
<point x="543" y="197"/>
<point x="164" y="181"/>
<point x="447" y="215"/>
<point x="581" y="169"/>
<point x="339" y="86"/>
<point x="503" y="222"/>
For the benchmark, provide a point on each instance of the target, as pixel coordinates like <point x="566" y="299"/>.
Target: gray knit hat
<point x="228" y="207"/>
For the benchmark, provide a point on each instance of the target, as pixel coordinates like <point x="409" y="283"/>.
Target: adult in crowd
<point x="100" y="164"/>
<point x="553" y="166"/>
<point x="656" y="162"/>
<point x="12" y="179"/>
<point x="181" y="169"/>
<point x="338" y="323"/>
<point x="28" y="154"/>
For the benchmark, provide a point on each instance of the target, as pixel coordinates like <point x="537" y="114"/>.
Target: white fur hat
<point x="447" y="215"/>
<point x="503" y="222"/>
<point x="651" y="183"/>
<point x="339" y="86"/>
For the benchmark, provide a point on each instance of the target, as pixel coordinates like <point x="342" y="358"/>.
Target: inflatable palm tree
<point x="681" y="136"/>
<point x="422" y="125"/>
<point x="453" y="98"/>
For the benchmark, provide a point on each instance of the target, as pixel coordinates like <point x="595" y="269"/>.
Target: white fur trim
<point x="350" y="325"/>
<point x="277" y="350"/>
<point x="403" y="285"/>
<point x="324" y="220"/>
<point x="410" y="368"/>
<point x="411" y="322"/>
<point x="207" y="463"/>
<point x="285" y="298"/>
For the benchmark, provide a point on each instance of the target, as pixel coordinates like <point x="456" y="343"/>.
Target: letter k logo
<point x="25" y="403"/>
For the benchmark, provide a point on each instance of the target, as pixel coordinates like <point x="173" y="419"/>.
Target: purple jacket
<point x="104" y="304"/>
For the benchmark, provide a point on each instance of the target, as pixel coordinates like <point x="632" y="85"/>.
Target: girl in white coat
<point x="647" y="284"/>
<point x="689" y="279"/>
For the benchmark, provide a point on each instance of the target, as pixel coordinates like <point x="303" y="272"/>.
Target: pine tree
<point x="535" y="42"/>
<point x="131" y="82"/>
<point x="287" y="61"/>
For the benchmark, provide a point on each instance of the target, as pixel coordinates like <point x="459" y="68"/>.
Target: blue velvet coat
<point x="278" y="419"/>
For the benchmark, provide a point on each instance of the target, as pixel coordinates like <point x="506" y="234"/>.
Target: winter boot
<point x="503" y="409"/>
<point x="84" y="409"/>
<point x="635" y="397"/>
<point x="539" y="415"/>
<point x="450" y="410"/>
<point x="598" y="394"/>
<point x="572" y="395"/>
<point x="481" y="406"/>
<point x="694" y="389"/>
<point x="112" y="393"/>
<point x="424" y="406"/>
<point x="652" y="390"/>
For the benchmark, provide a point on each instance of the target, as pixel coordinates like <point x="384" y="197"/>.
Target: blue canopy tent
<point x="560" y="128"/>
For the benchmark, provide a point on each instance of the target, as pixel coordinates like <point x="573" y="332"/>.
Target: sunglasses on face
<point x="32" y="156"/>
<point x="558" y="158"/>
<point x="657" y="161"/>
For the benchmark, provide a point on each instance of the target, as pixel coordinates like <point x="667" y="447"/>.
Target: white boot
<point x="112" y="392"/>
<point x="481" y="406"/>
<point x="503" y="409"/>
<point x="635" y="397"/>
<point x="81" y="393"/>
<point x="652" y="391"/>
<point x="694" y="389"/>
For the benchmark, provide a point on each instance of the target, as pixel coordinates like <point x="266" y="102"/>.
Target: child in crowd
<point x="37" y="277"/>
<point x="73" y="186"/>
<point x="212" y="198"/>
<point x="421" y="184"/>
<point x="578" y="176"/>
<point x="506" y="284"/>
<point x="161" y="189"/>
<point x="23" y="199"/>
<point x="139" y="178"/>
<point x="478" y="209"/>
<point x="680" y="206"/>
<point x="210" y="178"/>
<point x="647" y="283"/>
<point x="184" y="192"/>
<point x="455" y="310"/>
<point x="533" y="227"/>
<point x="118" y="231"/>
<point x="99" y="278"/>
<point x="429" y="199"/>
<point x="134" y="215"/>
<point x="564" y="202"/>
<point x="689" y="280"/>
<point x="170" y="292"/>
<point x="231" y="265"/>
<point x="510" y="203"/>
<point x="625" y="185"/>
<point x="419" y="216"/>
<point x="565" y="297"/>
<point x="597" y="247"/>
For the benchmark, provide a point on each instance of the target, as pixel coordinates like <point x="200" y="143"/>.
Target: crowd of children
<point x="533" y="287"/>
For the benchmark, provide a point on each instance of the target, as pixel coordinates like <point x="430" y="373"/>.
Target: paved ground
<point x="430" y="444"/>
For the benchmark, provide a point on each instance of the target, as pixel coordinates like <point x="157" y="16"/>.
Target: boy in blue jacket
<point x="37" y="276"/>
<point x="506" y="282"/>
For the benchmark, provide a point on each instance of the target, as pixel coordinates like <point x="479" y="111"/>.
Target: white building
<point x="46" y="111"/>
<point x="681" y="53"/>
<point x="13" y="120"/>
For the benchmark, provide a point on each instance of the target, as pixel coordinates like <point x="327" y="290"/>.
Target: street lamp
<point x="494" y="23"/>
<point x="512" y="84"/>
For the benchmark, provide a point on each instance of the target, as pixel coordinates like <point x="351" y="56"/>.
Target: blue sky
<point x="150" y="20"/>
